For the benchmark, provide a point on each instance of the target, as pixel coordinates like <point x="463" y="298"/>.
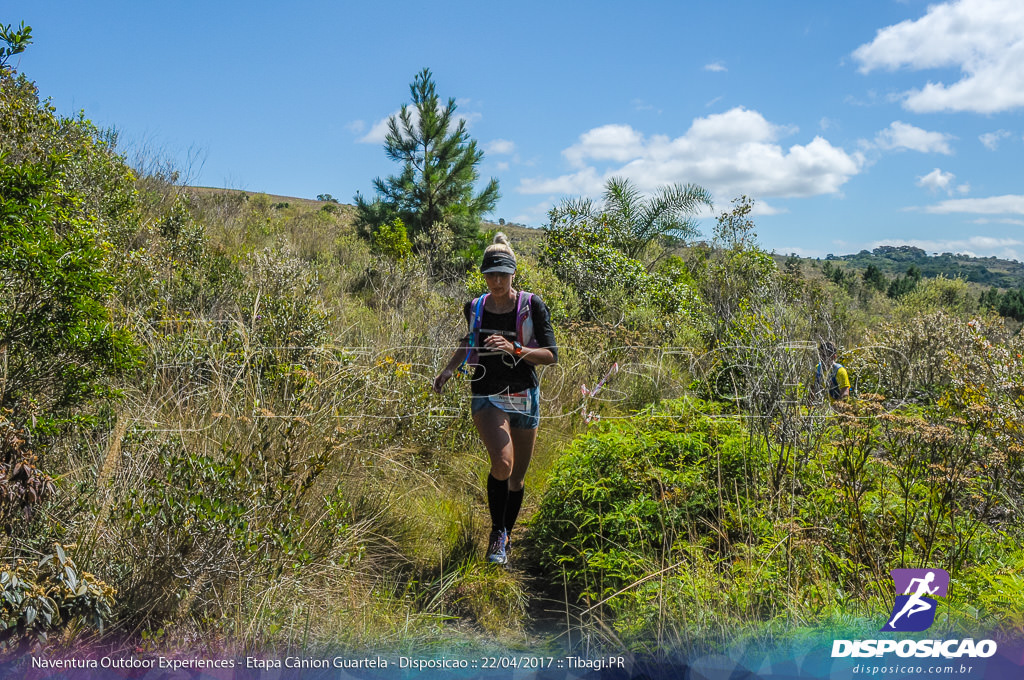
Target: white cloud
<point x="500" y="147"/>
<point x="501" y="166"/>
<point x="762" y="208"/>
<point x="641" y="105"/>
<point x="975" y="246"/>
<point x="731" y="153"/>
<point x="991" y="139"/>
<point x="963" y="188"/>
<point x="871" y="98"/>
<point x="716" y="67"/>
<point x="937" y="180"/>
<point x="379" y="130"/>
<point x="900" y="135"/>
<point x="608" y="142"/>
<point x="1010" y="204"/>
<point x="1000" y="220"/>
<point x="799" y="251"/>
<point x="984" y="39"/>
<point x="535" y="214"/>
<point x="356" y="127"/>
<point x="586" y="181"/>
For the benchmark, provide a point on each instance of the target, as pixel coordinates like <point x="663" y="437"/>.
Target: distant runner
<point x="509" y="333"/>
<point x="837" y="381"/>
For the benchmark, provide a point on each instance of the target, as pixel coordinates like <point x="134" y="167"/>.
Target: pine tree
<point x="439" y="168"/>
<point x="989" y="299"/>
<point x="874" y="278"/>
<point x="1012" y="305"/>
<point x="901" y="285"/>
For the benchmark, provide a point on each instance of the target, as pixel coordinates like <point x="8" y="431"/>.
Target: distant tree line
<point x="873" y="278"/>
<point x="1009" y="304"/>
<point x="990" y="271"/>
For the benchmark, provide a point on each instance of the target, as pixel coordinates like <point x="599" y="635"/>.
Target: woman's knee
<point x="501" y="468"/>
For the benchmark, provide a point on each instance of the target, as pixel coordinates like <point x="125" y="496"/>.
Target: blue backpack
<point x="833" y="381"/>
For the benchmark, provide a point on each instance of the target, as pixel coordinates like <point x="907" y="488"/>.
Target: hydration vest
<point x="524" y="324"/>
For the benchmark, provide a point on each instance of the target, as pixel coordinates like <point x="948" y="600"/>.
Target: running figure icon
<point x="915" y="604"/>
<point x="916" y="585"/>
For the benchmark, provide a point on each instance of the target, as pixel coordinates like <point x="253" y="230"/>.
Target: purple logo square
<point x="914" y="609"/>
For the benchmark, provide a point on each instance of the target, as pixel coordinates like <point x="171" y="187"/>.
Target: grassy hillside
<point x="891" y="260"/>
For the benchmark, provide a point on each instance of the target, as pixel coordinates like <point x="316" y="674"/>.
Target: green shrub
<point x="905" y="356"/>
<point x="676" y="523"/>
<point x="606" y="281"/>
<point x="186" y="273"/>
<point x="282" y="313"/>
<point x="732" y="282"/>
<point x="56" y="336"/>
<point x="82" y="154"/>
<point x="623" y="497"/>
<point x="49" y="596"/>
<point x="260" y="219"/>
<point x="940" y="294"/>
<point x="390" y="240"/>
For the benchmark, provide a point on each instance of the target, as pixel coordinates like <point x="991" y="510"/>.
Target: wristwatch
<point x="517" y="348"/>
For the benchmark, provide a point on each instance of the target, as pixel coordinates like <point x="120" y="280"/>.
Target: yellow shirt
<point x="838" y="384"/>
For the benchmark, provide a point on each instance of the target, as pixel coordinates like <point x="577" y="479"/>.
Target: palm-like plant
<point x="635" y="222"/>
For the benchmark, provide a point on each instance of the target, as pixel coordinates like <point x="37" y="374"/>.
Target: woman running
<point x="509" y="333"/>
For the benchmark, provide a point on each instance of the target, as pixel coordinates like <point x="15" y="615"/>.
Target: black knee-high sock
<point x="497" y="500"/>
<point x="515" y="501"/>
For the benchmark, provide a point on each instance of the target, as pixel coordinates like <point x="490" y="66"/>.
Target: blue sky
<point x="852" y="124"/>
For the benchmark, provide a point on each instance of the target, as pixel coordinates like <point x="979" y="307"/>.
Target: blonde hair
<point x="500" y="245"/>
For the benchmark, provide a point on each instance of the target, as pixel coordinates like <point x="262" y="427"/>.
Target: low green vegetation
<point x="672" y="527"/>
<point x="216" y="420"/>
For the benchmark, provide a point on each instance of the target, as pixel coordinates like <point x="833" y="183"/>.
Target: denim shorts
<point x="527" y="418"/>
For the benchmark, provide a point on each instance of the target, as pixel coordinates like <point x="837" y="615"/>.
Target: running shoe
<point x="497" y="553"/>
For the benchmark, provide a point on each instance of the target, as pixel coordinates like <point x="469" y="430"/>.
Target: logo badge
<point x="914" y="609"/>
